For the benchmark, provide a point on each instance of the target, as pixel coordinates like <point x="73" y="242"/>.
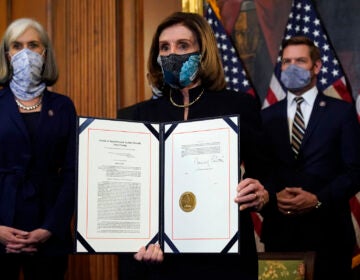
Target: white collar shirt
<point x="306" y="106"/>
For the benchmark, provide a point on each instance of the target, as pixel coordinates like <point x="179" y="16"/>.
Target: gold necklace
<point x="29" y="108"/>
<point x="185" y="105"/>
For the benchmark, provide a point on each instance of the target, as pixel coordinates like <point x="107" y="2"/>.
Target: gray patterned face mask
<point x="26" y="77"/>
<point x="295" y="77"/>
<point x="180" y="70"/>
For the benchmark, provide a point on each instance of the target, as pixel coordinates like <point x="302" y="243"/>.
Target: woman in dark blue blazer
<point x="37" y="157"/>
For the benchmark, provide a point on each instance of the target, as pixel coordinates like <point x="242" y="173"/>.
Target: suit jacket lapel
<point x="315" y="117"/>
<point x="284" y="132"/>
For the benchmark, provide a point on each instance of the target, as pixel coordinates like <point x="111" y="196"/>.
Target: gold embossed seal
<point x="187" y="201"/>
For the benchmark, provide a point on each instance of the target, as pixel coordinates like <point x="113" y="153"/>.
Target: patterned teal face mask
<point x="26" y="78"/>
<point x="180" y="70"/>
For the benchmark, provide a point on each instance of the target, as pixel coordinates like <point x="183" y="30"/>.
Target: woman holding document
<point x="185" y="65"/>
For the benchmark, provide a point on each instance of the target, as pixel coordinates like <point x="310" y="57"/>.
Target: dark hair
<point x="211" y="72"/>
<point x="315" y="54"/>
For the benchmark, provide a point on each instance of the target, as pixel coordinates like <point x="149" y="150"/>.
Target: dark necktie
<point x="298" y="128"/>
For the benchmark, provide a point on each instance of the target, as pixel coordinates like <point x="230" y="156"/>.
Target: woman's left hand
<point x="151" y="254"/>
<point x="39" y="235"/>
<point x="251" y="194"/>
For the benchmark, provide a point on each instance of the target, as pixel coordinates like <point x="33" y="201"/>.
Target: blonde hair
<point x="16" y="29"/>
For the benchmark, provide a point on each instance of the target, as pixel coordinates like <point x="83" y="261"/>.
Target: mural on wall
<point x="257" y="27"/>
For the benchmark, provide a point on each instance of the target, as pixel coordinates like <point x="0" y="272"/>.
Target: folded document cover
<point x="172" y="183"/>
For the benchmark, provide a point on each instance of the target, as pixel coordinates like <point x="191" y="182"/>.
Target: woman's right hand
<point x="13" y="239"/>
<point x="151" y="254"/>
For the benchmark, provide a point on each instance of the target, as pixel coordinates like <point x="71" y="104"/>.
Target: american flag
<point x="235" y="75"/>
<point x="236" y="79"/>
<point x="304" y="21"/>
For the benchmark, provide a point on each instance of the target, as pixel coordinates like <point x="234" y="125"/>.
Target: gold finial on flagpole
<point x="193" y="6"/>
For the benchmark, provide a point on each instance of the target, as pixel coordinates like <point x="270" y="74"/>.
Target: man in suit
<point x="316" y="170"/>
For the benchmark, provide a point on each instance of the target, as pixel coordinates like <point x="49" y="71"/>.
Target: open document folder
<point x="172" y="183"/>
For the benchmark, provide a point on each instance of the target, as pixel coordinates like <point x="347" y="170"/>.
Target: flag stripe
<point x="257" y="220"/>
<point x="355" y="206"/>
<point x="303" y="20"/>
<point x="275" y="92"/>
<point x="235" y="75"/>
<point x="341" y="88"/>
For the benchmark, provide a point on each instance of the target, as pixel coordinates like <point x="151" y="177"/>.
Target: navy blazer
<point x="328" y="165"/>
<point x="37" y="181"/>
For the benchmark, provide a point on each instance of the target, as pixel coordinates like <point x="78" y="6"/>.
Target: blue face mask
<point x="26" y="82"/>
<point x="179" y="70"/>
<point x="295" y="77"/>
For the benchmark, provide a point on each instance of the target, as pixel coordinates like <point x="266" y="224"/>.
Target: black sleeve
<point x="127" y="113"/>
<point x="253" y="144"/>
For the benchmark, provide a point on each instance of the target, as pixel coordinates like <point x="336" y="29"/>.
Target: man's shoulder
<point x="274" y="107"/>
<point x="334" y="102"/>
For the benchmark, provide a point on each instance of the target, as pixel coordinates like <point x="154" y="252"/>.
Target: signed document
<point x="172" y="183"/>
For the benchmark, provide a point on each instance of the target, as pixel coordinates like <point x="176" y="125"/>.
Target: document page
<point x="200" y="186"/>
<point x="117" y="191"/>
